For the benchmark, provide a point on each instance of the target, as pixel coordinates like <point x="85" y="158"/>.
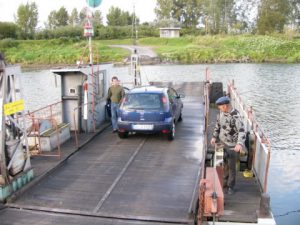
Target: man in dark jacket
<point x="230" y="131"/>
<point x="115" y="95"/>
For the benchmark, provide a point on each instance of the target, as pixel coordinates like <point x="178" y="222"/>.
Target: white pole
<point x="91" y="52"/>
<point x="85" y="102"/>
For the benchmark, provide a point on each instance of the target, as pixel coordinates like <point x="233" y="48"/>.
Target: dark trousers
<point x="230" y="159"/>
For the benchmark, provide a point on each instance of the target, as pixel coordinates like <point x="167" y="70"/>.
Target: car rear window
<point x="142" y="101"/>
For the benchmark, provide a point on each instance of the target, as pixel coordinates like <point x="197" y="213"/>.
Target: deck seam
<point x="116" y="181"/>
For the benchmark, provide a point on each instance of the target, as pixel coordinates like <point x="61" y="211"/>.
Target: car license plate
<point x="142" y="126"/>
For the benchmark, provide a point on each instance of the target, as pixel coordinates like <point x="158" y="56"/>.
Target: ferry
<point x="63" y="165"/>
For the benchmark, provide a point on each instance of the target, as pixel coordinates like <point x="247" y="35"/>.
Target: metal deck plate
<point x="144" y="178"/>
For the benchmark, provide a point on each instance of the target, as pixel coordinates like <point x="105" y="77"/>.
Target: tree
<point x="27" y="19"/>
<point x="58" y="18"/>
<point x="113" y="16"/>
<point x="82" y="15"/>
<point x="117" y="17"/>
<point x="98" y="20"/>
<point x="74" y="17"/>
<point x="246" y="15"/>
<point x="62" y="17"/>
<point x="272" y="16"/>
<point x="187" y="12"/>
<point x="163" y="9"/>
<point x="52" y="19"/>
<point x="191" y="12"/>
<point x="295" y="13"/>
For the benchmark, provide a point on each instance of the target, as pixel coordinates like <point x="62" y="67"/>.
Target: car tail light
<point x="166" y="131"/>
<point x="164" y="100"/>
<point x="122" y="130"/>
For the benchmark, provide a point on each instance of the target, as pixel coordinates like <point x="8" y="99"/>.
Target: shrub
<point x="61" y="32"/>
<point x="8" y="30"/>
<point x="8" y="43"/>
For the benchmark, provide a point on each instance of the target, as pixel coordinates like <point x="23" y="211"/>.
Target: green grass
<point x="50" y="52"/>
<point x="243" y="48"/>
<point x="199" y="49"/>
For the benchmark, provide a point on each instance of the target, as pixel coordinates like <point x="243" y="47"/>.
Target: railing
<point x="205" y="145"/>
<point x="52" y="111"/>
<point x="261" y="143"/>
<point x="35" y="121"/>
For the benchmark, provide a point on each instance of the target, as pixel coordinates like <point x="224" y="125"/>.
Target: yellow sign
<point x="14" y="107"/>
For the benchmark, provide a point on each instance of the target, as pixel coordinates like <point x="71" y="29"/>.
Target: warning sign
<point x="14" y="107"/>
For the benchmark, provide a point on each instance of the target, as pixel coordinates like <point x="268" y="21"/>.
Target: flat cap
<point x="223" y="100"/>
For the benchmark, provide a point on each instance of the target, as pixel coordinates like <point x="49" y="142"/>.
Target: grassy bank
<point x="58" y="51"/>
<point x="220" y="49"/>
<point x="201" y="49"/>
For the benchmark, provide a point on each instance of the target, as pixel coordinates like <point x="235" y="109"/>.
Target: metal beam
<point x="3" y="81"/>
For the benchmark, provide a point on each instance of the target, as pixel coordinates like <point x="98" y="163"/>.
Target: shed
<point x="170" y="32"/>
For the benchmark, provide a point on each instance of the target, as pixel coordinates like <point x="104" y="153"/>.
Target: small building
<point x="170" y="32"/>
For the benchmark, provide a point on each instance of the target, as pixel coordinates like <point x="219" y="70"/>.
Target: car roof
<point x="148" y="89"/>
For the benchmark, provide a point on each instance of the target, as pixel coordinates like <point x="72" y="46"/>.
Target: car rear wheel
<point x="123" y="134"/>
<point x="171" y="135"/>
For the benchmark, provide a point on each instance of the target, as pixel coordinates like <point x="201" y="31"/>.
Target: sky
<point x="144" y="8"/>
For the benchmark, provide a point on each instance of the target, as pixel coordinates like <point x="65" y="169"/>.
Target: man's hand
<point x="238" y="148"/>
<point x="213" y="141"/>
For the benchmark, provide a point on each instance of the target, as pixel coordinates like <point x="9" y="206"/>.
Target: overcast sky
<point x="144" y="8"/>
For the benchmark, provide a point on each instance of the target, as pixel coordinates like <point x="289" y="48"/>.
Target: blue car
<point x="150" y="109"/>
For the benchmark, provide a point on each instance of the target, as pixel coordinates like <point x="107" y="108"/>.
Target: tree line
<point x="193" y="16"/>
<point x="232" y="16"/>
<point x="62" y="24"/>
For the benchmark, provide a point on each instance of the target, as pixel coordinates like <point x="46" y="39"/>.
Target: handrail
<point x="201" y="187"/>
<point x="45" y="107"/>
<point x="35" y="132"/>
<point x="262" y="144"/>
<point x="52" y="113"/>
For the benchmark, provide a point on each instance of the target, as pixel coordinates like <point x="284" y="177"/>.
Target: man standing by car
<point x="230" y="131"/>
<point x="115" y="95"/>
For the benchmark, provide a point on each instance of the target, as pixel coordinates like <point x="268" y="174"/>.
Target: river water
<point x="272" y="89"/>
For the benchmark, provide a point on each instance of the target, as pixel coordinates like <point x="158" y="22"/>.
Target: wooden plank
<point x="244" y="203"/>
